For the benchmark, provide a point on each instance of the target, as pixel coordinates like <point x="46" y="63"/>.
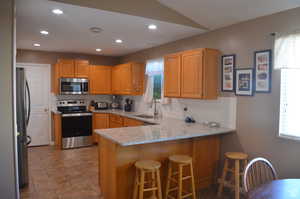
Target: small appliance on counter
<point x="101" y="105"/>
<point x="128" y="105"/>
<point x="116" y="101"/>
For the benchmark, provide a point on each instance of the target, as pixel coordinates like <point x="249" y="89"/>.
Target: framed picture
<point x="244" y="81"/>
<point x="263" y="70"/>
<point x="228" y="70"/>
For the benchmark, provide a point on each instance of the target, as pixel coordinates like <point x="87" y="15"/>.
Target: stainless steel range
<point x="76" y="123"/>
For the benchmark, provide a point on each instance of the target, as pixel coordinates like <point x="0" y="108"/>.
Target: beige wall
<point x="44" y="57"/>
<point x="257" y="117"/>
<point x="8" y="187"/>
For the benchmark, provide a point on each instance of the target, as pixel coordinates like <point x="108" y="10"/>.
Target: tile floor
<point x="70" y="174"/>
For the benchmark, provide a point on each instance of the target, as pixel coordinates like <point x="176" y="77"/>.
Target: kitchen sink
<point x="145" y="116"/>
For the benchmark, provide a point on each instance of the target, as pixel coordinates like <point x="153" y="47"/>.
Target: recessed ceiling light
<point x="57" y="11"/>
<point x="95" y="30"/>
<point x="152" y="27"/>
<point x="119" y="41"/>
<point x="98" y="49"/>
<point x="37" y="45"/>
<point x="44" y="32"/>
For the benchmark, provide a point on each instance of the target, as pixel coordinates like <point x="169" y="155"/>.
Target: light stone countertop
<point x="166" y="129"/>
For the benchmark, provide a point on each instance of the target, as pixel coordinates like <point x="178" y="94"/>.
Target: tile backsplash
<point x="222" y="110"/>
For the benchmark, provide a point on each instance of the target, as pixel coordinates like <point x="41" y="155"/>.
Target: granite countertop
<point x="166" y="129"/>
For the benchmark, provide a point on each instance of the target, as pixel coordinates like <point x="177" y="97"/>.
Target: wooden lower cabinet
<point x="115" y="121"/>
<point x="56" y="126"/>
<point x="132" y="122"/>
<point x="116" y="162"/>
<point x="100" y="121"/>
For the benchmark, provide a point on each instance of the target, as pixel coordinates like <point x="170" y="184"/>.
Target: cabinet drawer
<point x="116" y="118"/>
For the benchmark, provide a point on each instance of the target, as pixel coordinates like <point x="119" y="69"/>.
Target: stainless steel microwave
<point x="74" y="86"/>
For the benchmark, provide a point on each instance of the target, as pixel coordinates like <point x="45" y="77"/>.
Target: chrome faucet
<point x="155" y="113"/>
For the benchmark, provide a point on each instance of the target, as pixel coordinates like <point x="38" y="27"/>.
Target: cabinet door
<point x="132" y="122"/>
<point x="100" y="121"/>
<point x="67" y="68"/>
<point x="192" y="74"/>
<point x="116" y="79"/>
<point x="138" y="78"/>
<point x="100" y="79"/>
<point x="115" y="121"/>
<point x="172" y="76"/>
<point x="126" y="79"/>
<point x="82" y="68"/>
<point x="115" y="125"/>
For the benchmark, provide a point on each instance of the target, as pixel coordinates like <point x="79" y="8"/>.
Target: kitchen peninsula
<point x="120" y="148"/>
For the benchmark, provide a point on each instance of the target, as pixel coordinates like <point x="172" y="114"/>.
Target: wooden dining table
<point x="277" y="189"/>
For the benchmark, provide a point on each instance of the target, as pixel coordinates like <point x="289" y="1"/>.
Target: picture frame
<point x="263" y="71"/>
<point x="244" y="82"/>
<point x="228" y="73"/>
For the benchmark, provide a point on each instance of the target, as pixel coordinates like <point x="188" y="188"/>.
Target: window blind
<point x="289" y="124"/>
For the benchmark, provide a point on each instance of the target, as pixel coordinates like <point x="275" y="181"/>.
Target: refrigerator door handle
<point x="29" y="104"/>
<point x="28" y="140"/>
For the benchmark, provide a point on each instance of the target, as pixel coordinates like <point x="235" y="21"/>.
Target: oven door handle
<point x="77" y="114"/>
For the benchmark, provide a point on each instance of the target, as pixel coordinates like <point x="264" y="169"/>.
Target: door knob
<point x="46" y="110"/>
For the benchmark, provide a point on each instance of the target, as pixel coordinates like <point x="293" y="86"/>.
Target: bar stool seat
<point x="236" y="155"/>
<point x="147" y="164"/>
<point x="181" y="159"/>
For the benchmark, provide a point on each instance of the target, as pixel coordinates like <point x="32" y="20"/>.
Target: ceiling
<point x="175" y="19"/>
<point x="215" y="14"/>
<point x="70" y="32"/>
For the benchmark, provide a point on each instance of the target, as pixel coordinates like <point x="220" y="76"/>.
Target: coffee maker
<point x="128" y="105"/>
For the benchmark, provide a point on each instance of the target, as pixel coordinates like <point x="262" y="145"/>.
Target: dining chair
<point x="258" y="171"/>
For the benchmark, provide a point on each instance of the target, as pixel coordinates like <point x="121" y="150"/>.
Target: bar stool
<point x="236" y="171"/>
<point x="147" y="169"/>
<point x="180" y="161"/>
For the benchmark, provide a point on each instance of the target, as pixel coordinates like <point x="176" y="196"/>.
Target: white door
<point x="38" y="77"/>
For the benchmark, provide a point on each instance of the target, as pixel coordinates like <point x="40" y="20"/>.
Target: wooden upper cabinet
<point x="100" y="79"/>
<point x="116" y="79"/>
<point x="192" y="74"/>
<point x="138" y="78"/>
<point x="172" y="75"/>
<point x="82" y="68"/>
<point x="66" y="68"/>
<point x="128" y="79"/>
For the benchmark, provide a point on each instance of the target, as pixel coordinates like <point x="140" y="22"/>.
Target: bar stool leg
<point x="158" y="184"/>
<point x="168" y="179"/>
<point x="221" y="186"/>
<point x="179" y="181"/>
<point x="153" y="183"/>
<point x="193" y="181"/>
<point x="136" y="184"/>
<point x="142" y="185"/>
<point x="237" y="179"/>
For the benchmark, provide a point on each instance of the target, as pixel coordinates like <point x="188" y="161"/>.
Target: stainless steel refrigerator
<point x="23" y="115"/>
